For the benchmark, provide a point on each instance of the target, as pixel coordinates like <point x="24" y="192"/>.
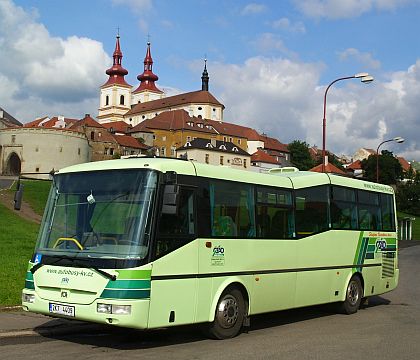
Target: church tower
<point x="147" y="89"/>
<point x="116" y="92"/>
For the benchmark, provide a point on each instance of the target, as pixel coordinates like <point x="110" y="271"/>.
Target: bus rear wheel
<point x="354" y="295"/>
<point x="229" y="316"/>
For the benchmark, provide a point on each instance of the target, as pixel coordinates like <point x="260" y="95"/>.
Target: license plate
<point x="60" y="309"/>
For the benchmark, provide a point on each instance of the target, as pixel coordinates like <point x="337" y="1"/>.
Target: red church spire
<point x="117" y="72"/>
<point x="147" y="78"/>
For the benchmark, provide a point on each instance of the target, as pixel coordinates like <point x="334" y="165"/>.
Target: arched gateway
<point x="13" y="165"/>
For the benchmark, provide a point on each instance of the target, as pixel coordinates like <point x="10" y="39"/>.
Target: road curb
<point x="59" y="330"/>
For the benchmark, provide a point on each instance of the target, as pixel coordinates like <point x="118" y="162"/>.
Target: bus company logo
<point x="218" y="251"/>
<point x="65" y="281"/>
<point x="380" y="244"/>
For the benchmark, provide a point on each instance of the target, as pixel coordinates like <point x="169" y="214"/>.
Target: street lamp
<point x="364" y="78"/>
<point x="397" y="139"/>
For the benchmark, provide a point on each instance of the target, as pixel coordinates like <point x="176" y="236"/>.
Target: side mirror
<point x="18" y="196"/>
<point x="170" y="199"/>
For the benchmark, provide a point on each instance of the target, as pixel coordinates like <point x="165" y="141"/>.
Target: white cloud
<point x="286" y="24"/>
<point x="253" y="8"/>
<point x="363" y="58"/>
<point x="334" y="9"/>
<point x="283" y="98"/>
<point x="42" y="74"/>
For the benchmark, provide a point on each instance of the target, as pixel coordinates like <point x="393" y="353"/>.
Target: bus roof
<point x="296" y="180"/>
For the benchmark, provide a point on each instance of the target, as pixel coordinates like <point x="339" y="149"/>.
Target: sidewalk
<point x="20" y="323"/>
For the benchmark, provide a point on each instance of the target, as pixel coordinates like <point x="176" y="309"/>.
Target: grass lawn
<point x="416" y="224"/>
<point x="17" y="242"/>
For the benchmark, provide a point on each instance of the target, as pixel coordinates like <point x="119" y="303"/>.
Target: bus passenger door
<point x="174" y="273"/>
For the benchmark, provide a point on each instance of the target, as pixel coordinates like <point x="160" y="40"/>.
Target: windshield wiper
<point x="75" y="262"/>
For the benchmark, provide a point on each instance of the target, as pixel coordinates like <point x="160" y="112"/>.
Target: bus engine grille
<point x="388" y="264"/>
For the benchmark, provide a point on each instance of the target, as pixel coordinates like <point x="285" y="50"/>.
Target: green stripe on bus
<point x="134" y="274"/>
<point x="129" y="284"/>
<point x="359" y="244"/>
<point x="29" y="285"/>
<point x="29" y="276"/>
<point x="125" y="294"/>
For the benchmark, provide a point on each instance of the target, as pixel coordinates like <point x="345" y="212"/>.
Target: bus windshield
<point x="99" y="215"/>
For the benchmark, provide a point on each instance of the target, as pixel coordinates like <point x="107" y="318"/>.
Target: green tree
<point x="300" y="156"/>
<point x="390" y="169"/>
<point x="408" y="196"/>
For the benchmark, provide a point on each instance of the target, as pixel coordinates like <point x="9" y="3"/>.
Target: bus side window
<point x="175" y="230"/>
<point x="311" y="210"/>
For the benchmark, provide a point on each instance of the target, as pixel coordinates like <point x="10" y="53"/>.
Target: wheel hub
<point x="227" y="313"/>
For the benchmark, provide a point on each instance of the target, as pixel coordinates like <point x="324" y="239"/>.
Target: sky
<point x="269" y="62"/>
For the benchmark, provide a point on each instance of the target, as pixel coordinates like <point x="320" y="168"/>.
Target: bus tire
<point x="354" y="295"/>
<point x="229" y="315"/>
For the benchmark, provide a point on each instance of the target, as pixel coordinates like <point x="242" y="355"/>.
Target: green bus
<point x="157" y="242"/>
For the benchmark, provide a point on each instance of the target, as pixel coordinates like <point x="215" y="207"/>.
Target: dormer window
<point x="187" y="144"/>
<point x="235" y="149"/>
<point x="209" y="145"/>
<point x="222" y="147"/>
<point x="200" y="108"/>
<point x="190" y="123"/>
<point x="200" y="125"/>
<point x="209" y="127"/>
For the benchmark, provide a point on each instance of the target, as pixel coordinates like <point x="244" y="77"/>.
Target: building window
<point x="224" y="138"/>
<point x="13" y="139"/>
<point x="173" y="151"/>
<point x="92" y="135"/>
<point x="143" y="117"/>
<point x="207" y="158"/>
<point x="154" y="137"/>
<point x="111" y="151"/>
<point x="163" y="138"/>
<point x="230" y="139"/>
<point x="78" y="151"/>
<point x="60" y="149"/>
<point x="122" y="100"/>
<point x="221" y="160"/>
<point x="37" y="169"/>
<point x="162" y="151"/>
<point x="200" y="108"/>
<point x="239" y="141"/>
<point x="245" y="163"/>
<point x="37" y="149"/>
<point x="188" y="138"/>
<point x="106" y="100"/>
<point x="106" y="151"/>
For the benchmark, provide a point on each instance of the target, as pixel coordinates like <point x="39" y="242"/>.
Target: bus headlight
<point x="104" y="308"/>
<point x="121" y="309"/>
<point x="113" y="309"/>
<point x="28" y="298"/>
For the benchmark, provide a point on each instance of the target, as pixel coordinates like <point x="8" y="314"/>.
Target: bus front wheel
<point x="229" y="316"/>
<point x="354" y="294"/>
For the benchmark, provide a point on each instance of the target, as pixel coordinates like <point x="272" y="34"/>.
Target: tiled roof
<point x="220" y="146"/>
<point x="87" y="121"/>
<point x="273" y="144"/>
<point x="200" y="97"/>
<point x="329" y="168"/>
<point x="35" y="123"/>
<point x="129" y="141"/>
<point x="404" y="163"/>
<point x="118" y="126"/>
<point x="5" y="115"/>
<point x="226" y="128"/>
<point x="261" y="156"/>
<point x="356" y="165"/>
<point x="175" y="120"/>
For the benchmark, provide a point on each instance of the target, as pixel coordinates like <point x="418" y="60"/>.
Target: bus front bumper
<point x="128" y="313"/>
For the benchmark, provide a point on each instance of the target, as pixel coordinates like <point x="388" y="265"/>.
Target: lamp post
<point x="364" y="78"/>
<point x="397" y="139"/>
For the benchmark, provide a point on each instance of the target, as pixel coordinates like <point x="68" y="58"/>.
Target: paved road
<point x="6" y="181"/>
<point x="388" y="328"/>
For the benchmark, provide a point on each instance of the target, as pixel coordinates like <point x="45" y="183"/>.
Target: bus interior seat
<point x="225" y="226"/>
